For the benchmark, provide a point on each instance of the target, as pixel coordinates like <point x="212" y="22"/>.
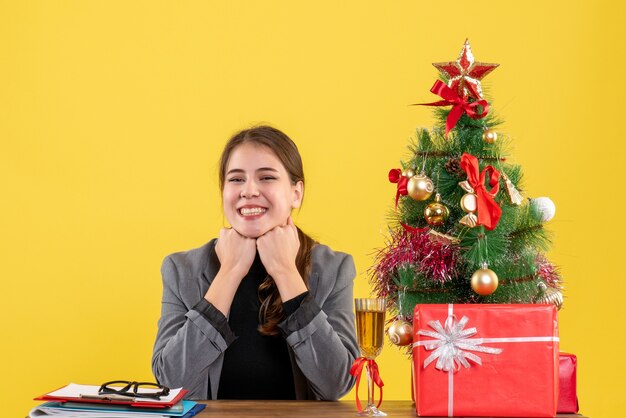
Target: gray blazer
<point x="189" y="349"/>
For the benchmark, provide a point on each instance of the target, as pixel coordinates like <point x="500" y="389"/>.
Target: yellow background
<point x="113" y="114"/>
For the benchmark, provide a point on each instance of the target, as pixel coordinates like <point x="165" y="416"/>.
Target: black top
<point x="255" y="366"/>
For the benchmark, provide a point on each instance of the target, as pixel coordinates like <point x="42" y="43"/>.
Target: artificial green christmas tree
<point x="462" y="230"/>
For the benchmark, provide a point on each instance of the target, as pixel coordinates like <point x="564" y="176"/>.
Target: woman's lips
<point x="248" y="212"/>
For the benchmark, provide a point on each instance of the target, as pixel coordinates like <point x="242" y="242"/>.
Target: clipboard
<point x="89" y="394"/>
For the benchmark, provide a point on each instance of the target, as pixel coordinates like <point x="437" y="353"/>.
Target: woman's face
<point x="258" y="194"/>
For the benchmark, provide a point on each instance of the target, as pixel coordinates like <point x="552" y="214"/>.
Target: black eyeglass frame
<point x="125" y="390"/>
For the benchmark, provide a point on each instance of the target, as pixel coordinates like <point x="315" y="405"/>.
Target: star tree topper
<point x="464" y="74"/>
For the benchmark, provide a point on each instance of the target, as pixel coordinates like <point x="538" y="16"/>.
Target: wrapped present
<point x="486" y="360"/>
<point x="568" y="400"/>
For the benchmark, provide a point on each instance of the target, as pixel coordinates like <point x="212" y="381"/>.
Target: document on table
<point x="74" y="390"/>
<point x="42" y="412"/>
<point x="74" y="410"/>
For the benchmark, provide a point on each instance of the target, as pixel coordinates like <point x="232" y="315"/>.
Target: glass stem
<point x="370" y="389"/>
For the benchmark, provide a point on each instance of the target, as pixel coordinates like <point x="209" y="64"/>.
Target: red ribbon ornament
<point x="357" y="368"/>
<point x="489" y="211"/>
<point x="395" y="176"/>
<point x="459" y="104"/>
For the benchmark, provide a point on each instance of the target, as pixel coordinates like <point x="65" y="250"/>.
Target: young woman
<point x="263" y="312"/>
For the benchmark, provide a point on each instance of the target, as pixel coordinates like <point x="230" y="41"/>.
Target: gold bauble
<point x="469" y="203"/>
<point x="436" y="213"/>
<point x="420" y="187"/>
<point x="550" y="295"/>
<point x="400" y="332"/>
<point x="409" y="172"/>
<point x="490" y="136"/>
<point x="484" y="281"/>
<point x="554" y="296"/>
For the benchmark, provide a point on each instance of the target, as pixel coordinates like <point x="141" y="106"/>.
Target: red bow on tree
<point x="489" y="211"/>
<point x="357" y="368"/>
<point x="395" y="176"/>
<point x="413" y="230"/>
<point x="459" y="104"/>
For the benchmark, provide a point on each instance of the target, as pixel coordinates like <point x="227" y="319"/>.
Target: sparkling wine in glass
<point x="370" y="328"/>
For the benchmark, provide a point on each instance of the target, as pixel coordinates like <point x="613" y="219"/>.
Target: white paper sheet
<point x="74" y="390"/>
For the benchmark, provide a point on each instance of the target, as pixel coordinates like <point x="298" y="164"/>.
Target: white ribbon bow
<point x="452" y="345"/>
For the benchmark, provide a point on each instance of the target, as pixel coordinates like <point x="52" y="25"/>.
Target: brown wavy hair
<point x="285" y="149"/>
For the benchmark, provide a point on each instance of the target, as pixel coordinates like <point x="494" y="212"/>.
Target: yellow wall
<point x="113" y="113"/>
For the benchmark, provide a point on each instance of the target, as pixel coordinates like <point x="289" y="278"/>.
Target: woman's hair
<point x="285" y="149"/>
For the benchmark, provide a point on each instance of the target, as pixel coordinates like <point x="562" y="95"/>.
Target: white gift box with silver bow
<point x="486" y="360"/>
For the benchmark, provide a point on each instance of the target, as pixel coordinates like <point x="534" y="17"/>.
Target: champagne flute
<point x="370" y="326"/>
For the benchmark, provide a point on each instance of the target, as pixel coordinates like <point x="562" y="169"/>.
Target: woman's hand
<point x="236" y="254"/>
<point x="278" y="249"/>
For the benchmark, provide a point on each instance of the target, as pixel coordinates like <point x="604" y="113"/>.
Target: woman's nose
<point x="249" y="189"/>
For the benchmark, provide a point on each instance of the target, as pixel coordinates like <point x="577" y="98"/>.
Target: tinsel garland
<point x="433" y="260"/>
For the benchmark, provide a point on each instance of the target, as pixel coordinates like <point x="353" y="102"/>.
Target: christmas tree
<point x="462" y="230"/>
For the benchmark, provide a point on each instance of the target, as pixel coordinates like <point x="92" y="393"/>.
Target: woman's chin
<point x="253" y="233"/>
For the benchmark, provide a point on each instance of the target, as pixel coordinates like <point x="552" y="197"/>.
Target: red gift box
<point x="568" y="401"/>
<point x="486" y="360"/>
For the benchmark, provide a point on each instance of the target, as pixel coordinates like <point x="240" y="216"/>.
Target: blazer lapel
<point x="212" y="265"/>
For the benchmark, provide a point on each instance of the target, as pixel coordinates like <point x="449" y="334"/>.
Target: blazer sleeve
<point x="323" y="337"/>
<point x="187" y="342"/>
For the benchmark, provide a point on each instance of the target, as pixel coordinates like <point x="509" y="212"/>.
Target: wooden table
<point x="306" y="409"/>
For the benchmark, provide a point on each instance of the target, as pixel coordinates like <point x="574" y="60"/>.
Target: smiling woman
<point x="262" y="312"/>
<point x="258" y="193"/>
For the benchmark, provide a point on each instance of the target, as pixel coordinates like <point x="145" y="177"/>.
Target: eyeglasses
<point x="134" y="389"/>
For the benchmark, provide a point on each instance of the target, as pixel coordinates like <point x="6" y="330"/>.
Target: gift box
<point x="486" y="360"/>
<point x="568" y="400"/>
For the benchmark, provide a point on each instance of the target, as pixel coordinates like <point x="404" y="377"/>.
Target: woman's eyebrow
<point x="235" y="170"/>
<point x="239" y="170"/>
